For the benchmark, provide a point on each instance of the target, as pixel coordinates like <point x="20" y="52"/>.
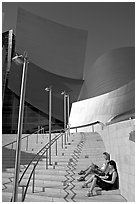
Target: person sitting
<point x="94" y="169"/>
<point x="107" y="182"/>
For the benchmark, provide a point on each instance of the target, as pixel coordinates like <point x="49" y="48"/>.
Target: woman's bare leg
<point x="93" y="184"/>
<point x="88" y="181"/>
<point x="88" y="172"/>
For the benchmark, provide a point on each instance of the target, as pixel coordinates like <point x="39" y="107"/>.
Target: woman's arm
<point x="103" y="177"/>
<point x="104" y="167"/>
<point x="113" y="178"/>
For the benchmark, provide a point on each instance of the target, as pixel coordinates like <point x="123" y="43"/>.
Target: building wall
<point x="119" y="141"/>
<point x="105" y="107"/>
<point x="110" y="71"/>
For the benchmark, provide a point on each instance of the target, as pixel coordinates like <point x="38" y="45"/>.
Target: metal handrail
<point x="89" y="124"/>
<point x="47" y="146"/>
<point x="22" y="138"/>
<point x="34" y="158"/>
<point x="57" y="130"/>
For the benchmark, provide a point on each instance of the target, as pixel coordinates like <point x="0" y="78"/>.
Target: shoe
<point x="89" y="194"/>
<point x="81" y="172"/>
<point x="81" y="179"/>
<point x="85" y="185"/>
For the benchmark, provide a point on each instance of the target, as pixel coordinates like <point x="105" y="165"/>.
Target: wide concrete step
<point x="37" y="171"/>
<point x="39" y="186"/>
<point x="51" y="192"/>
<point x="6" y="197"/>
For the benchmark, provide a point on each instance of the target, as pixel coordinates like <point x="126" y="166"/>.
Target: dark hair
<point x="113" y="163"/>
<point x="107" y="155"/>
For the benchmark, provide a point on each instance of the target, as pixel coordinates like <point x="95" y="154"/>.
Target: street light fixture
<point x="21" y="59"/>
<point x="49" y="89"/>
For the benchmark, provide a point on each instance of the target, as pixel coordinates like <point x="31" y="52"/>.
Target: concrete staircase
<point x="59" y="182"/>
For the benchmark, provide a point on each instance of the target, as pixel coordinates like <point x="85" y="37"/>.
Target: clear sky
<point x="109" y="24"/>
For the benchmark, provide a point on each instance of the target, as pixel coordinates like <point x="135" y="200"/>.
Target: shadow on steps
<point x="8" y="158"/>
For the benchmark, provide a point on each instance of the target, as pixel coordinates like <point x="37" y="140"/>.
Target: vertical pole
<point x="68" y="115"/>
<point x="65" y="118"/>
<point x="27" y="143"/>
<point x="92" y="128"/>
<point x="47" y="159"/>
<point x="56" y="148"/>
<point x="20" y="125"/>
<point x="33" y="184"/>
<point x="23" y="192"/>
<point x="50" y="90"/>
<point x="43" y="132"/>
<point x="37" y="137"/>
<point x="62" y="140"/>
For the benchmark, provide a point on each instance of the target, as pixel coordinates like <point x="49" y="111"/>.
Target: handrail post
<point x="47" y="159"/>
<point x="12" y="146"/>
<point x="43" y="133"/>
<point x="27" y="144"/>
<point x="37" y="138"/>
<point x="22" y="192"/>
<point x="56" y="148"/>
<point x="65" y="118"/>
<point x="33" y="184"/>
<point x="68" y="101"/>
<point x="92" y="128"/>
<point x="62" y="140"/>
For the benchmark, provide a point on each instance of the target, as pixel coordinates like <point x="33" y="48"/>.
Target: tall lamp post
<point x="21" y="59"/>
<point x="68" y="113"/>
<point x="49" y="89"/>
<point x="64" y="94"/>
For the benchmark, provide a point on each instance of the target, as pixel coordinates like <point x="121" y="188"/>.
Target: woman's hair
<point x="107" y="155"/>
<point x="113" y="163"/>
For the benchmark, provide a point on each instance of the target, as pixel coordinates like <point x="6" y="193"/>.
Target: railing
<point x="57" y="130"/>
<point x="27" y="137"/>
<point x="44" y="150"/>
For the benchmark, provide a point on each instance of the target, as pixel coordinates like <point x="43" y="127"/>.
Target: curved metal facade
<point x="110" y="71"/>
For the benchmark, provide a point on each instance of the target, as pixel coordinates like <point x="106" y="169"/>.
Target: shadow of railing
<point x="8" y="158"/>
<point x="27" y="138"/>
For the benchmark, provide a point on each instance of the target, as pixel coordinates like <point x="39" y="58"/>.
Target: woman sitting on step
<point x="107" y="182"/>
<point x="94" y="169"/>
